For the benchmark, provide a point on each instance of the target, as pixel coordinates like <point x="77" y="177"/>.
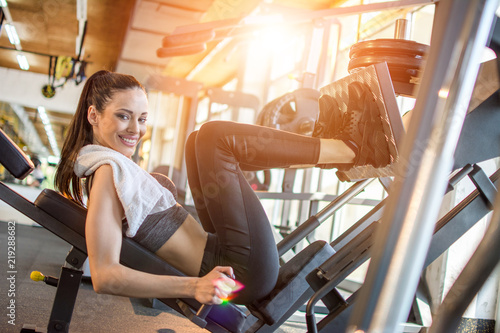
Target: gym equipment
<point x="293" y="112"/>
<point x="327" y="277"/>
<point x="353" y="247"/>
<point x="378" y="80"/>
<point x="405" y="59"/>
<point x="449" y="75"/>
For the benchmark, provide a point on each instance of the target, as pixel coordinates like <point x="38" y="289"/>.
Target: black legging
<point x="240" y="233"/>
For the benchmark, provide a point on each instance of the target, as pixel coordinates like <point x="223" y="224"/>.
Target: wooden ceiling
<point x="50" y="27"/>
<point x="127" y="31"/>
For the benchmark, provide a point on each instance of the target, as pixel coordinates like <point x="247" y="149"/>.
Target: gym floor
<point x="38" y="249"/>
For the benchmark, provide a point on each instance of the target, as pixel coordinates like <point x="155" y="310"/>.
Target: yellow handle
<point x="36" y="276"/>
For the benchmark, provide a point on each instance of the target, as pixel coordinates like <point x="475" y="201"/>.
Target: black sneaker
<point x="329" y="121"/>
<point x="362" y="128"/>
<point x="359" y="126"/>
<point x="329" y="125"/>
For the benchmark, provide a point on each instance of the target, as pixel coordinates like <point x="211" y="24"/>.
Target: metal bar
<point x="314" y="221"/>
<point x="344" y="198"/>
<point x="426" y="160"/>
<point x="317" y="196"/>
<point x="347" y="259"/>
<point x="367" y="8"/>
<point x="401" y="31"/>
<point x="484" y="185"/>
<point x="480" y="266"/>
<point x="64" y="301"/>
<point x="458" y="221"/>
<point x="347" y="236"/>
<point x="459" y="176"/>
<point x="376" y="213"/>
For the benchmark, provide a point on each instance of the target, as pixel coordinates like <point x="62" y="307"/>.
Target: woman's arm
<point x="104" y="239"/>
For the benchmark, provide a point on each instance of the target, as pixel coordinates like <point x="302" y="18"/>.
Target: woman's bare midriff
<point x="184" y="250"/>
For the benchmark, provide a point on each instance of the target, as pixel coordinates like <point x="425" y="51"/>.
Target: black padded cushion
<point x="13" y="158"/>
<point x="64" y="210"/>
<point x="292" y="288"/>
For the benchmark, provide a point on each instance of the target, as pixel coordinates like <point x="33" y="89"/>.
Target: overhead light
<point x="12" y="34"/>
<point x="23" y="62"/>
<point x="53" y="160"/>
<point x="81" y="10"/>
<point x="48" y="129"/>
<point x="43" y="115"/>
<point x="443" y="93"/>
<point x="3" y="3"/>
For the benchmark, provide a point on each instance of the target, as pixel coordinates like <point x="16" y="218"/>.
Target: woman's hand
<point x="215" y="286"/>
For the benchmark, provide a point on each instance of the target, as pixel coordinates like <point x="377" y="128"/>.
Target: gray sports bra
<point x="157" y="228"/>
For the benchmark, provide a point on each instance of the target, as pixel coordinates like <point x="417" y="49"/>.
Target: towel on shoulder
<point x="139" y="193"/>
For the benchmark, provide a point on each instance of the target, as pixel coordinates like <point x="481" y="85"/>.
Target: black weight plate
<point x="396" y="45"/>
<point x="279" y="113"/>
<point x="392" y="61"/>
<point x="402" y="75"/>
<point x="398" y="74"/>
<point x="388" y="46"/>
<point x="388" y="52"/>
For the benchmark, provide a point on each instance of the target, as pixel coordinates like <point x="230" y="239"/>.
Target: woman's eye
<point x="143" y="120"/>
<point x="123" y="116"/>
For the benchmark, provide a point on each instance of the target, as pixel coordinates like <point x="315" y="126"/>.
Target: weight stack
<point x="405" y="59"/>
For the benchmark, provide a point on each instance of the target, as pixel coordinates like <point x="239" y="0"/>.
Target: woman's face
<point x="122" y="123"/>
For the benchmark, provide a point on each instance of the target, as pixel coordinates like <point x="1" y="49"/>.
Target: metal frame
<point x="480" y="266"/>
<point x="399" y="253"/>
<point x="314" y="221"/>
<point x="2" y="18"/>
<point x="448" y="229"/>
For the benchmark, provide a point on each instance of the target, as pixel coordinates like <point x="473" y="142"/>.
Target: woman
<point x="235" y="240"/>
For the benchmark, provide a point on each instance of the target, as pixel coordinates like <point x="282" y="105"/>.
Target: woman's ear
<point x="92" y="115"/>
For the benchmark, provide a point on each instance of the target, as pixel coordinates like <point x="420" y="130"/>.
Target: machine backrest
<point x="13" y="158"/>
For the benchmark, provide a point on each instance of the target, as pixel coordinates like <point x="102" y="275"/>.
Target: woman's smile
<point x="122" y="123"/>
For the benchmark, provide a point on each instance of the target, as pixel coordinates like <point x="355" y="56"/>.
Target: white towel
<point x="139" y="193"/>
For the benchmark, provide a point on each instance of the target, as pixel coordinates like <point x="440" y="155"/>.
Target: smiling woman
<point x="233" y="239"/>
<point x="122" y="198"/>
